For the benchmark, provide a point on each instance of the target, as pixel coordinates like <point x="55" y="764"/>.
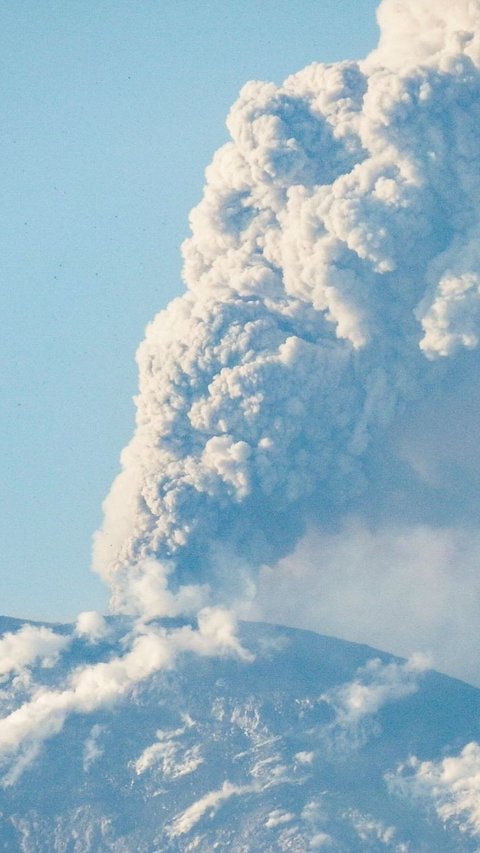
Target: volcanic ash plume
<point x="333" y="267"/>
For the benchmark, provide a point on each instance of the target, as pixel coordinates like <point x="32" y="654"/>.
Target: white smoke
<point x="452" y="785"/>
<point x="357" y="703"/>
<point x="23" y="648"/>
<point x="91" y="625"/>
<point x="333" y="262"/>
<point x="332" y="279"/>
<point x="92" y="687"/>
<point x="376" y="684"/>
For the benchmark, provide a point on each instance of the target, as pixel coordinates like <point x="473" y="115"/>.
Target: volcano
<point x="312" y="743"/>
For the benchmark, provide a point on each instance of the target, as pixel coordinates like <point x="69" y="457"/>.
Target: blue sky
<point x="111" y="113"/>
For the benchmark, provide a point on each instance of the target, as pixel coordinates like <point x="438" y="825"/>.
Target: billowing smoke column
<point x="333" y="265"/>
<point x="332" y="273"/>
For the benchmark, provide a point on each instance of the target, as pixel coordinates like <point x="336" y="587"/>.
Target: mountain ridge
<point x="308" y="746"/>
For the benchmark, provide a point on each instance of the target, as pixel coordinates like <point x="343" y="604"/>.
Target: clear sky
<point x="111" y="111"/>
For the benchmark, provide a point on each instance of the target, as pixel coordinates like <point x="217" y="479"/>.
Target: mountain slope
<point x="315" y="744"/>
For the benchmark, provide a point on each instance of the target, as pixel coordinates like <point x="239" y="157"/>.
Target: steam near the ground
<point x="316" y="744"/>
<point x="38" y="712"/>
<point x="451" y="784"/>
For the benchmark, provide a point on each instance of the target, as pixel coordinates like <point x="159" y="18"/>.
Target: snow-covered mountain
<point x="316" y="743"/>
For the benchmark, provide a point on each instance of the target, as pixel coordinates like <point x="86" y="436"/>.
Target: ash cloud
<point x="332" y="281"/>
<point x="332" y="278"/>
